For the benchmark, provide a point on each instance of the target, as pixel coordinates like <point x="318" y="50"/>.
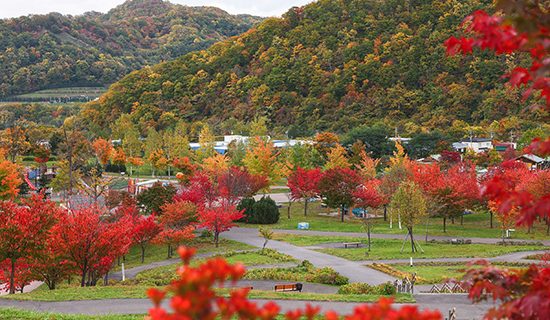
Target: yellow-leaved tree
<point x="261" y="159"/>
<point x="337" y="158"/>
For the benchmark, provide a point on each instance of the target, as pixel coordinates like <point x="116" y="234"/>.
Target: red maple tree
<point x="144" y="230"/>
<point x="304" y="184"/>
<point x="92" y="243"/>
<point x="219" y="219"/>
<point x="337" y="186"/>
<point x="24" y="230"/>
<point x="452" y="191"/>
<point x="236" y="183"/>
<point x="177" y="224"/>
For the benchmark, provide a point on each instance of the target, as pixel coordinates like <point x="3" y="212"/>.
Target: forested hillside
<point x="54" y="50"/>
<point x="331" y="65"/>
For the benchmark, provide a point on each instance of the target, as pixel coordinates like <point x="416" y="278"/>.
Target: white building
<point x="476" y="144"/>
<point x="222" y="146"/>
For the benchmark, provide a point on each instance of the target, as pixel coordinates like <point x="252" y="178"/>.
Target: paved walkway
<point x="351" y="269"/>
<point x="141" y="306"/>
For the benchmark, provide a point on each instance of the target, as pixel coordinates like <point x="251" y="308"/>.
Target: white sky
<point x="14" y="8"/>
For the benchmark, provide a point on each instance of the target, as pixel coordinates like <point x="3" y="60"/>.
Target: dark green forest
<point x="331" y="65"/>
<point x="94" y="49"/>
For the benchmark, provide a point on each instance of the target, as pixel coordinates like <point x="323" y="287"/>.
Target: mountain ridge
<point x="330" y="65"/>
<point x="54" y="50"/>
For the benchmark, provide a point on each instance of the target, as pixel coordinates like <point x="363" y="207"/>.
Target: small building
<point x="533" y="161"/>
<point x="503" y="146"/>
<point x="434" y="158"/>
<point x="478" y="145"/>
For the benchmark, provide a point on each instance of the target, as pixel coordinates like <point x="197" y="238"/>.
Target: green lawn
<point x="390" y="249"/>
<point x="14" y="314"/>
<point x="164" y="275"/>
<point x="155" y="253"/>
<point x="138" y="292"/>
<point x="475" y="225"/>
<point x="74" y="293"/>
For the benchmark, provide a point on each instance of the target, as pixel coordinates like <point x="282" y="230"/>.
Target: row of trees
<point x="42" y="241"/>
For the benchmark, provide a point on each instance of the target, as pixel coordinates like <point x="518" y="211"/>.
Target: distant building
<point x="400" y="139"/>
<point x="478" y="145"/>
<point x="222" y="146"/>
<point x="533" y="161"/>
<point x="503" y="146"/>
<point x="434" y="158"/>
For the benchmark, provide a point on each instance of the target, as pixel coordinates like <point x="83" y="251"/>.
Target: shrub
<point x="305" y="272"/>
<point x="386" y="289"/>
<point x="264" y="211"/>
<point x="246" y="204"/>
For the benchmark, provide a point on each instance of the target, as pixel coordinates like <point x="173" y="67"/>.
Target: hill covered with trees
<point x="330" y="65"/>
<point x="54" y="50"/>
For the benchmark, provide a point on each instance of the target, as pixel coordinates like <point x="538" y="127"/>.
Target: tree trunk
<point x="216" y="238"/>
<point x="385" y="213"/>
<point x="169" y="251"/>
<point x="84" y="273"/>
<point x="453" y="220"/>
<point x="12" y="276"/>
<point x="288" y="209"/>
<point x="342" y="215"/>
<point x="305" y="207"/>
<point x="491" y="220"/>
<point x="445" y="224"/>
<point x="368" y="235"/>
<point x="142" y="253"/>
<point x="462" y="219"/>
<point x="413" y="248"/>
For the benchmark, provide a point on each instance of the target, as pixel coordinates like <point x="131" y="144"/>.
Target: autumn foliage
<point x="304" y="184"/>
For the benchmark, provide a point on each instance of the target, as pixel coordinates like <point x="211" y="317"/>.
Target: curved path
<point x="351" y="269"/>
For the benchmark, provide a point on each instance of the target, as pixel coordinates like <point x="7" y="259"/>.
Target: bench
<point x="288" y="287"/>
<point x="349" y="244"/>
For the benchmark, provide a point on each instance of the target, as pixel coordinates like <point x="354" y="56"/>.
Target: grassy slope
<point x="159" y="252"/>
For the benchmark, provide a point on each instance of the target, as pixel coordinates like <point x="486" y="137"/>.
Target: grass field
<point x="160" y="252"/>
<point x="139" y="292"/>
<point x="437" y="273"/>
<point x="15" y="314"/>
<point x="91" y="92"/>
<point x="164" y="275"/>
<point x="475" y="225"/>
<point x="390" y="249"/>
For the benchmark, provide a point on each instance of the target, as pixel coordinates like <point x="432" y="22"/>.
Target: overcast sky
<point x="15" y="8"/>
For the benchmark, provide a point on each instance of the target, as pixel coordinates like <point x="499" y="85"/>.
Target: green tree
<point x="409" y="202"/>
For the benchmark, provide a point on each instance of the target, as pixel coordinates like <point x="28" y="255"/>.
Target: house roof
<point x="531" y="157"/>
<point x="477" y="140"/>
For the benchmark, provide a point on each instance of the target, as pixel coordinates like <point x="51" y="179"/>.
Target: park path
<point x="397" y="236"/>
<point x="351" y="269"/>
<point x="465" y="309"/>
